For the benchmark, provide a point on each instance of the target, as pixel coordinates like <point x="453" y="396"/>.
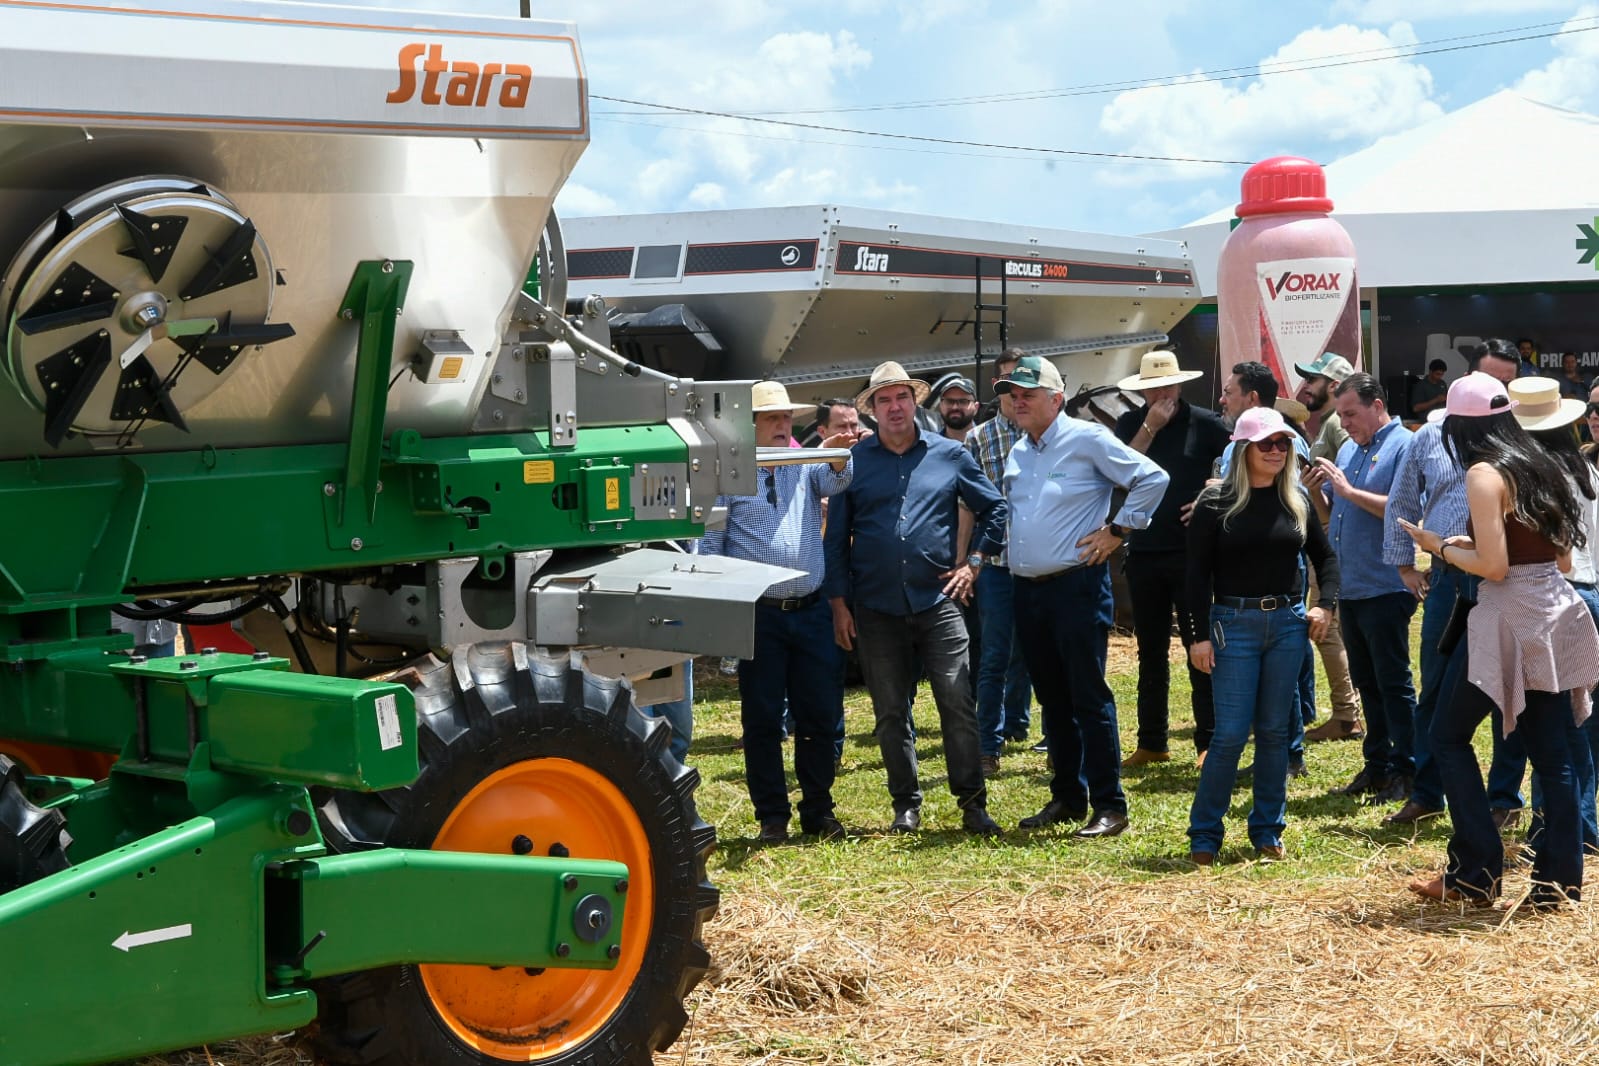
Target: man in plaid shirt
<point x="1004" y="691"/>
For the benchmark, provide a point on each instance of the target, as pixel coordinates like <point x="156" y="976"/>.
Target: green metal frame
<point x="200" y="899"/>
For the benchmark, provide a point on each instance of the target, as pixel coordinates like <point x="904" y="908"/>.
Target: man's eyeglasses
<point x="1274" y="444"/>
<point x="771" y="485"/>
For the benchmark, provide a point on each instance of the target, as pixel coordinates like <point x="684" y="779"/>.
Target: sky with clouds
<point x="1066" y="75"/>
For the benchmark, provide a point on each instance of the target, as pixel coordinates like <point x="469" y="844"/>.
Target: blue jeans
<point x="1305" y="705"/>
<point x="1377" y="638"/>
<point x="1065" y="637"/>
<point x="894" y="650"/>
<point x="1003" y="689"/>
<point x="1584" y="743"/>
<point x="1476" y="855"/>
<point x="796" y="664"/>
<point x="1509" y="763"/>
<point x="1427" y="787"/>
<point x="679" y="714"/>
<point x="1254" y="686"/>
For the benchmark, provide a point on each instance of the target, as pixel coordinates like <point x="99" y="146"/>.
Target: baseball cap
<point x="1258" y="423"/>
<point x="1329" y="365"/>
<point x="965" y="384"/>
<point x="1475" y="395"/>
<point x="1032" y="372"/>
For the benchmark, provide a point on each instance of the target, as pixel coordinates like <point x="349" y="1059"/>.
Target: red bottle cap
<point x="1283" y="185"/>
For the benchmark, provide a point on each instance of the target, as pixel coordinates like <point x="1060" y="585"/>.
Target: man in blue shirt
<point x="796" y="663"/>
<point x="1059" y="479"/>
<point x="1374" y="605"/>
<point x="895" y="585"/>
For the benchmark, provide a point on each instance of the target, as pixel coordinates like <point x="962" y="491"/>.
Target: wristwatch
<point x="1119" y="532"/>
<point x="975" y="561"/>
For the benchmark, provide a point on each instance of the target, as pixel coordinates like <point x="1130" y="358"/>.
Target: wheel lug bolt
<point x="569" y="882"/>
<point x="621" y="884"/>
<point x="614" y="951"/>
<point x="563" y="949"/>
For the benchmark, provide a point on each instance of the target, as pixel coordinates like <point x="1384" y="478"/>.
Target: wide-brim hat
<point x="1291" y="409"/>
<point x="1157" y="370"/>
<point x="772" y="396"/>
<point x="886" y="374"/>
<point x="1539" y="404"/>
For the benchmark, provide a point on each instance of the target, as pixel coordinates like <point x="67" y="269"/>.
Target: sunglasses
<point x="1593" y="408"/>
<point x="771" y="485"/>
<point x="1274" y="444"/>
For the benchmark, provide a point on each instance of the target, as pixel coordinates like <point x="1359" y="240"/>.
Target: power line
<point x="1340" y="59"/>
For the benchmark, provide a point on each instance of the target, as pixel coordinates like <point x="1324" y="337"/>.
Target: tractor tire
<point x="33" y="841"/>
<point x="515" y="747"/>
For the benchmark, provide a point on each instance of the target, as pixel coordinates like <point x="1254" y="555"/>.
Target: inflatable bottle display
<point x="1285" y="280"/>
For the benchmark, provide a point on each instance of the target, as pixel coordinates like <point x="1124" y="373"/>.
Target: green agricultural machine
<point x="273" y="354"/>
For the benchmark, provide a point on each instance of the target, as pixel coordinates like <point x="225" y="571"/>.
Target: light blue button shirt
<point x="1059" y="489"/>
<point x="1355" y="533"/>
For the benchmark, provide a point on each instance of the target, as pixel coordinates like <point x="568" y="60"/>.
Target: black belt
<point x="1586" y="586"/>
<point x="791" y="603"/>
<point x="1255" y="603"/>
<point x="1048" y="577"/>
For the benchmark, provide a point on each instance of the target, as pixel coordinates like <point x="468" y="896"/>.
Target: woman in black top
<point x="1244" y="546"/>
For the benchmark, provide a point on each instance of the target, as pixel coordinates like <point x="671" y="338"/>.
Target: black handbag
<point x="1455" y="628"/>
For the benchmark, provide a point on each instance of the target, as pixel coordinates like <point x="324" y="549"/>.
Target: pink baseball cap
<point x="1258" y="423"/>
<point x="1476" y="395"/>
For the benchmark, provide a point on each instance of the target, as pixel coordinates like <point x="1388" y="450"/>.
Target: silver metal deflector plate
<point x="695" y="604"/>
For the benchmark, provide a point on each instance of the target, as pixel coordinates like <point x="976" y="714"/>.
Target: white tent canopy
<point x="1490" y="194"/>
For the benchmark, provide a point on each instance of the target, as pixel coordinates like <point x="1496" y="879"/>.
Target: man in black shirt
<point x="1185" y="441"/>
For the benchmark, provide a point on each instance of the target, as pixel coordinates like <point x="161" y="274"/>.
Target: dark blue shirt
<point x="892" y="532"/>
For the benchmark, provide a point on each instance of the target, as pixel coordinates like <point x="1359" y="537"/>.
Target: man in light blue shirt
<point x="796" y="664"/>
<point x="1374" y="604"/>
<point x="1059" y="480"/>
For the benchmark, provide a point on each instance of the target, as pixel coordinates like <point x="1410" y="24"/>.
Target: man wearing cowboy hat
<point x="1185" y="441"/>
<point x="895" y="586"/>
<point x="1320" y="376"/>
<point x="796" y="663"/>
<point x="1059" y="479"/>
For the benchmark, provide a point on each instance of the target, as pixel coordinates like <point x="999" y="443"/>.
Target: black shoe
<point x="1506" y="818"/>
<point x="1411" y="813"/>
<point x="975" y="820"/>
<point x="1397" y="790"/>
<point x="1103" y="824"/>
<point x="906" y="821"/>
<point x="1017" y="738"/>
<point x="1296" y="768"/>
<point x="773" y="831"/>
<point x="1362" y="783"/>
<point x="1041" y="746"/>
<point x="1055" y="812"/>
<point x="828" y="828"/>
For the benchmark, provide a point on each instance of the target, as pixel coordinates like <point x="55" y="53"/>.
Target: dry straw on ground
<point x="1215" y="967"/>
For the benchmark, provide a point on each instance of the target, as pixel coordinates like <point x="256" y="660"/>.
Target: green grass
<point x="1327" y="835"/>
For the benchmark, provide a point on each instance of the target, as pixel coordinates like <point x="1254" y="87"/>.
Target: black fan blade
<point x="68" y="378"/>
<point x="77" y="296"/>
<point x="155" y="238"/>
<point x="232" y="264"/>
<point x="218" y="349"/>
<point x="141" y="394"/>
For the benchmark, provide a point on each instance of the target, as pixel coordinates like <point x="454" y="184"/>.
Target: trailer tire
<point x="33" y="841"/>
<point x="502" y="731"/>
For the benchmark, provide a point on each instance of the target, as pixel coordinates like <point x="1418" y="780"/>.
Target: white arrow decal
<point x="130" y="940"/>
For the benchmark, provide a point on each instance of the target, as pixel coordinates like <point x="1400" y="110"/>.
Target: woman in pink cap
<point x="1245" y="540"/>
<point x="1530" y="648"/>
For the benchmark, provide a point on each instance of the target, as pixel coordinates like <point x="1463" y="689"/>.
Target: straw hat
<point x="1539" y="405"/>
<point x="886" y="374"/>
<point x="1156" y="370"/>
<point x="772" y="396"/>
<point x="1292" y="409"/>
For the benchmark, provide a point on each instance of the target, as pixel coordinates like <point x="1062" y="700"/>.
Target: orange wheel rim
<point x="506" y="1013"/>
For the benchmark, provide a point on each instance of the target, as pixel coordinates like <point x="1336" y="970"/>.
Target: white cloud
<point x="707" y="194"/>
<point x="796" y="185"/>
<point x="1571" y="79"/>
<point x="918" y="15"/>
<point x="661" y="179"/>
<point x="577" y="199"/>
<point x="1382" y="12"/>
<point x="1297" y="111"/>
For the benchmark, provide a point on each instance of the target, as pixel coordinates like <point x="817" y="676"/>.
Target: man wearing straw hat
<point x="1185" y="441"/>
<point x="1059" y="480"/>
<point x="796" y="663"/>
<point x="895" y="585"/>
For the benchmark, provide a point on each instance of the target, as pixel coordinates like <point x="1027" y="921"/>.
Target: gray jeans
<point x="894" y="649"/>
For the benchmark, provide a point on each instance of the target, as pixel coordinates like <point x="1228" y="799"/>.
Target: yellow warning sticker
<point x="538" y="472"/>
<point x="613" y="494"/>
<point x="450" y="369"/>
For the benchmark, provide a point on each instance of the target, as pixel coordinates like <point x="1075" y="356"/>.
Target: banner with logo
<point x="1307" y="307"/>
